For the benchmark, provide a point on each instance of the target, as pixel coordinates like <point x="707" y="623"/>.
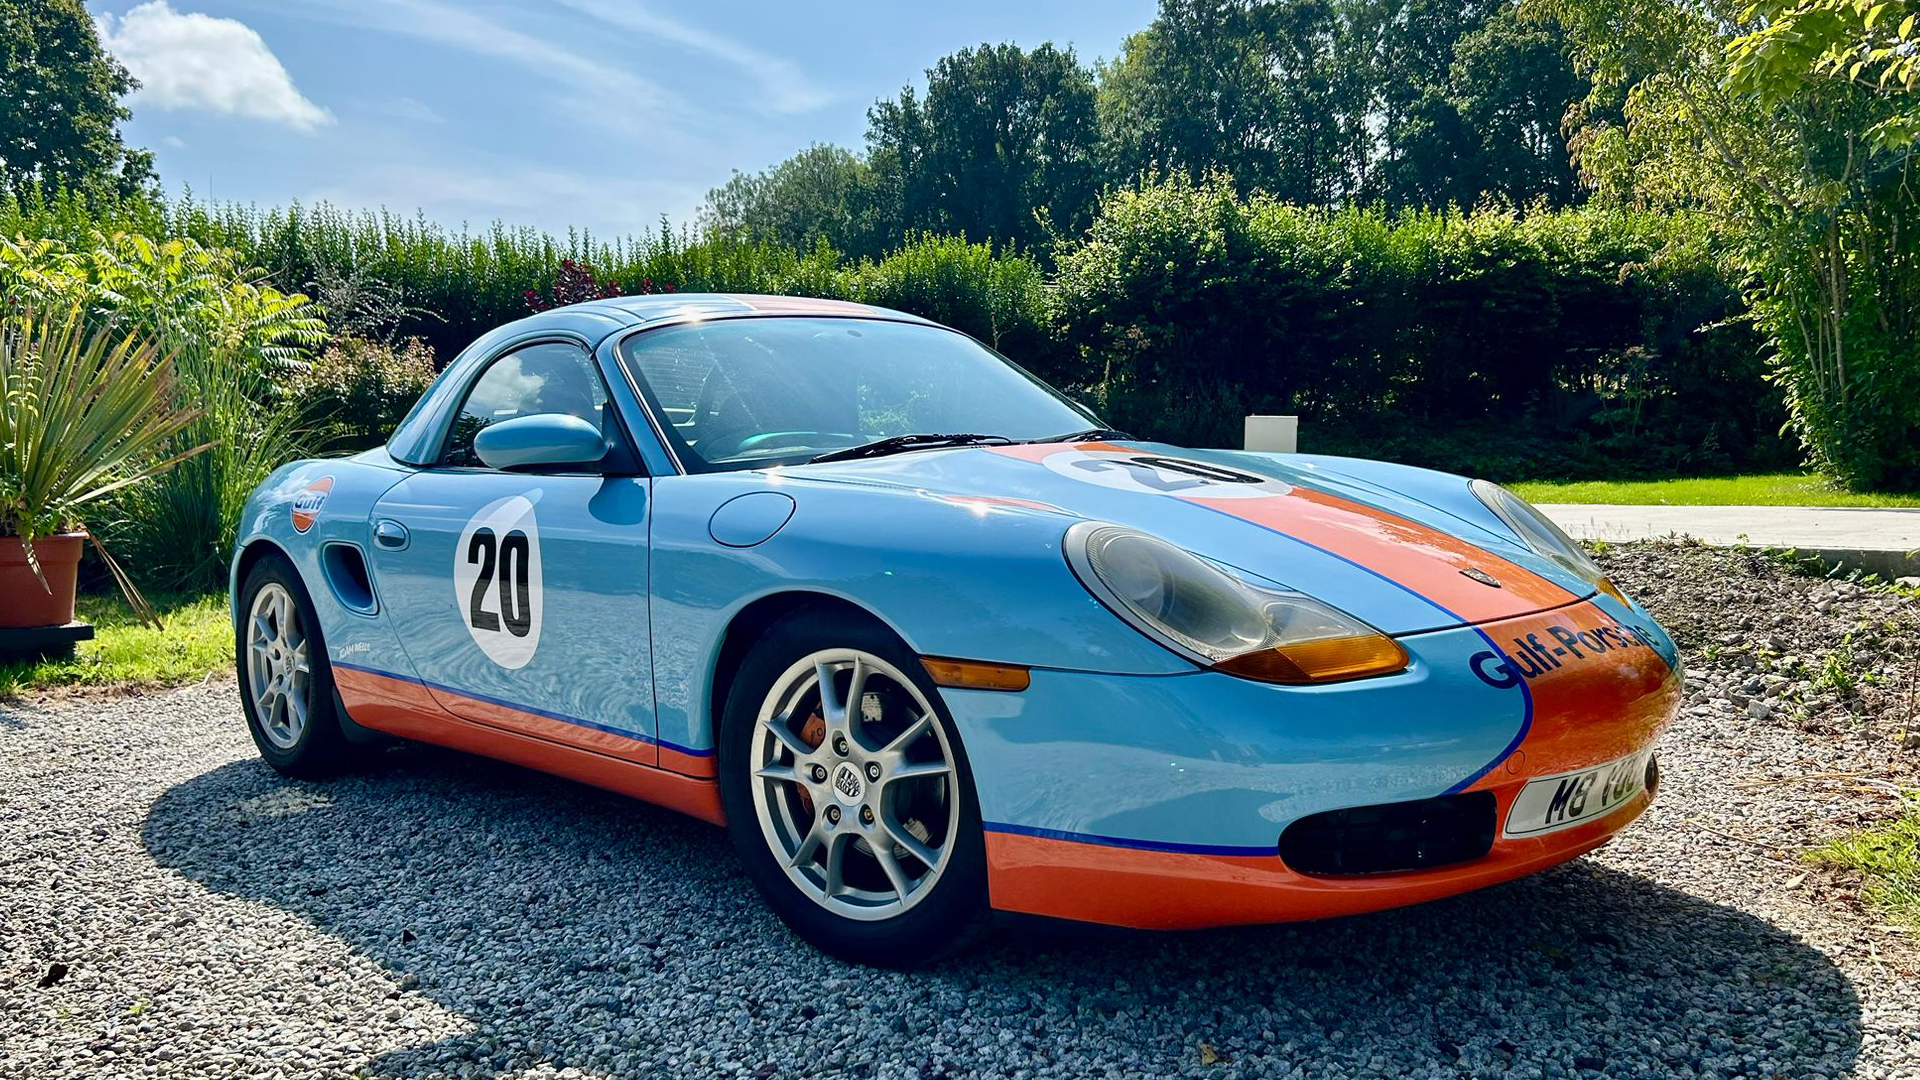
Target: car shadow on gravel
<point x="574" y="928"/>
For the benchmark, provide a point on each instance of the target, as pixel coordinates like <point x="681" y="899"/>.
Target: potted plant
<point x="84" y="412"/>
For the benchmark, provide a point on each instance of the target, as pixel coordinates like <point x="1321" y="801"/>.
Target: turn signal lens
<point x="975" y="675"/>
<point x="1327" y="660"/>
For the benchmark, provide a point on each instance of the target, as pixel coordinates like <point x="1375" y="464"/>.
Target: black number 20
<point x="516" y="608"/>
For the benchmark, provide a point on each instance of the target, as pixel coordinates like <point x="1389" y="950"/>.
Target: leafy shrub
<point x="357" y="391"/>
<point x="232" y="337"/>
<point x="1583" y="342"/>
<point x="575" y="283"/>
<point x="1002" y="300"/>
<point x="84" y="412"/>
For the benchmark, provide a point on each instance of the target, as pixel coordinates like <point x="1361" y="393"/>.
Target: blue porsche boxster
<point x="931" y="643"/>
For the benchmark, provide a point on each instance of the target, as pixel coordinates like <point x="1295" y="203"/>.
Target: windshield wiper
<point x="1098" y="434"/>
<point x="897" y="443"/>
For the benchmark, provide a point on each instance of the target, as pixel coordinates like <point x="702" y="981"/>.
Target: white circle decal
<point x="496" y="580"/>
<point x="1157" y="474"/>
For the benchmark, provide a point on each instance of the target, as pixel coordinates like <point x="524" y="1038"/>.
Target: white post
<point x="1273" y="434"/>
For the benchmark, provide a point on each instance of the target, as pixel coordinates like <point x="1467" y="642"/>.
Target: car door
<point x="521" y="597"/>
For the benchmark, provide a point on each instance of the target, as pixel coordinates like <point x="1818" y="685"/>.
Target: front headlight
<point x="1220" y="621"/>
<point x="1539" y="533"/>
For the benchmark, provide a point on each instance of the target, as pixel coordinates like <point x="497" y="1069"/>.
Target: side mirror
<point x="543" y="439"/>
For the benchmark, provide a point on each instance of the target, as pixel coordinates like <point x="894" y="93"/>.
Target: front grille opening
<point x="1392" y="837"/>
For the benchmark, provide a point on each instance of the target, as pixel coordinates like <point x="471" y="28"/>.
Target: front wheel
<point x="848" y="794"/>
<point x="286" y="685"/>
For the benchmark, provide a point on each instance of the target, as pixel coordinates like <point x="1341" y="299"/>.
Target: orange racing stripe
<point x="407" y="709"/>
<point x="1420" y="558"/>
<point x="1157" y="890"/>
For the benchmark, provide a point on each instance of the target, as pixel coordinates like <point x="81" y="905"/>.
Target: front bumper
<point x="1158" y="802"/>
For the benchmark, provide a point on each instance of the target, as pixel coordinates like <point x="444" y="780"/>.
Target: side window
<point x="546" y="378"/>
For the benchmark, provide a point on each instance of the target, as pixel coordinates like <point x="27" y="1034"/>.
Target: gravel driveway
<point x="169" y="907"/>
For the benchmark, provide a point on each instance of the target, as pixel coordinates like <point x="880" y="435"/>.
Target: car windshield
<point x="748" y="393"/>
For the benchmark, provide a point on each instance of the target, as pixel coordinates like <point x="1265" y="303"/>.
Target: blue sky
<point x="596" y="113"/>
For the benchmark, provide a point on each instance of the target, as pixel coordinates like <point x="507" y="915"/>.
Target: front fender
<point x="959" y="577"/>
<point x="302" y="507"/>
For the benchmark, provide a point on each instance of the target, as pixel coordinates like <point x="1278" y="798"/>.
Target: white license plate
<point x="1560" y="802"/>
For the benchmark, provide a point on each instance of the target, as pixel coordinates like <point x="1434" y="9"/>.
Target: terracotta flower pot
<point x="24" y="601"/>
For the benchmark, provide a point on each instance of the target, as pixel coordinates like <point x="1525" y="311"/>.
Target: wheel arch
<point x="751" y="622"/>
<point x="248" y="557"/>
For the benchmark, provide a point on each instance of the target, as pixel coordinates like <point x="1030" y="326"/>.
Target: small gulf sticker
<point x="307" y="504"/>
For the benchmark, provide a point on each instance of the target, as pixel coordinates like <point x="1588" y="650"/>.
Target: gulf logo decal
<point x="1421" y="559"/>
<point x="1599" y="688"/>
<point x="307" y="504"/>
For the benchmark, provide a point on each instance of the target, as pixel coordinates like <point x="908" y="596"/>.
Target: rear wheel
<point x="848" y="794"/>
<point x="286" y="685"/>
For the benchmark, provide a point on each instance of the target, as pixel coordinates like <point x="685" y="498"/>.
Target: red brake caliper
<point x="813" y="733"/>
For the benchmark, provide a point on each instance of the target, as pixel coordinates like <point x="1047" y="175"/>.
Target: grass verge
<point x="1768" y="489"/>
<point x="195" y="640"/>
<point x="1888" y="860"/>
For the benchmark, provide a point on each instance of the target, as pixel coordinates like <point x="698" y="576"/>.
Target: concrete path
<point x="1882" y="541"/>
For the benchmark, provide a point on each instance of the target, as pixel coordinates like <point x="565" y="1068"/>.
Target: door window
<point x="550" y="377"/>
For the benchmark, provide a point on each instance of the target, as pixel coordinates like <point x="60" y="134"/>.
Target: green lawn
<point x="1888" y="859"/>
<point x="195" y="640"/>
<point x="1773" y="489"/>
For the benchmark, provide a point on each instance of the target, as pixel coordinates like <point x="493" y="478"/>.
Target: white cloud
<point x="410" y="109"/>
<point x="486" y="190"/>
<point x="787" y="88"/>
<point x="471" y="32"/>
<point x="187" y="60"/>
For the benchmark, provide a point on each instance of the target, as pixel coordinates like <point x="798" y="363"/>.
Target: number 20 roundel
<point x="496" y="580"/>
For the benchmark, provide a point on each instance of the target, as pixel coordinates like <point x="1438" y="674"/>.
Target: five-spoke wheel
<point x="286" y="686"/>
<point x="847" y="792"/>
<point x="854" y="784"/>
<point x="279" y="673"/>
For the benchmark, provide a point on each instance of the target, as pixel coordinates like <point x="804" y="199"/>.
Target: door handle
<point x="390" y="534"/>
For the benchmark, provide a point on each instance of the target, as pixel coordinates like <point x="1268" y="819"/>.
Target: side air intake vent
<point x="346" y="571"/>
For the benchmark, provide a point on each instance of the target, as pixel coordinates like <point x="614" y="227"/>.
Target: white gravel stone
<point x="195" y="915"/>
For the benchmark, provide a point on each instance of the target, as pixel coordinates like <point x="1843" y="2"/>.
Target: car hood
<point x="1400" y="564"/>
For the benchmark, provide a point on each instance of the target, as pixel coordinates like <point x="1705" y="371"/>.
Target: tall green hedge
<point x="1582" y="343"/>
<point x="1576" y="343"/>
<point x="448" y="287"/>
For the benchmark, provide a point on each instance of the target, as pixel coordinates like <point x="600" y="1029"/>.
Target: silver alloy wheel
<point x="863" y="820"/>
<point x="279" y="671"/>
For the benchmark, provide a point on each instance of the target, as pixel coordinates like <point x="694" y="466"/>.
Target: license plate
<point x="1560" y="802"/>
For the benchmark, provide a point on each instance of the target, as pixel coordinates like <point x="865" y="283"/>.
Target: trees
<point x="1002" y="146"/>
<point x="823" y="193"/>
<point x="1411" y="102"/>
<point x="1255" y="89"/>
<point x="1485" y="122"/>
<point x="1316" y="102"/>
<point x="1790" y="121"/>
<point x="60" y="108"/>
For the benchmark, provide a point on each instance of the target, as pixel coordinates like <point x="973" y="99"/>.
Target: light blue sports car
<point x="931" y="643"/>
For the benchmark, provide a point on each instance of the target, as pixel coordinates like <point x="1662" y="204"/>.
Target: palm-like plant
<point x="84" y="412"/>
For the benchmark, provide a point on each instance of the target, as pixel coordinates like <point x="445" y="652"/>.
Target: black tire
<point x="321" y="748"/>
<point x="946" y="920"/>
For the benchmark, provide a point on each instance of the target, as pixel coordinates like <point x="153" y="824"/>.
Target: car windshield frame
<point x="690" y="461"/>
